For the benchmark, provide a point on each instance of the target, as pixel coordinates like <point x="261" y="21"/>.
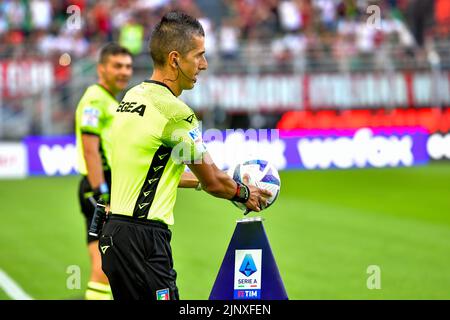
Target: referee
<point x="93" y="119"/>
<point x="154" y="134"/>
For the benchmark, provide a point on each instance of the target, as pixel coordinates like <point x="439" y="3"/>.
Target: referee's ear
<point x="174" y="56"/>
<point x="100" y="69"/>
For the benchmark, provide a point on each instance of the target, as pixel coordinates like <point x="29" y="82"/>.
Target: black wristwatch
<point x="242" y="193"/>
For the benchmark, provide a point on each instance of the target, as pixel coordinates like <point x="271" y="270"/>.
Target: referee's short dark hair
<point x="112" y="49"/>
<point x="173" y="33"/>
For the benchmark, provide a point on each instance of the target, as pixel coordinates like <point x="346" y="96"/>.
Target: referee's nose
<point x="203" y="64"/>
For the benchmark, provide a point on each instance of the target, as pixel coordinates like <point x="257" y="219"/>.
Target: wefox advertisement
<point x="286" y="149"/>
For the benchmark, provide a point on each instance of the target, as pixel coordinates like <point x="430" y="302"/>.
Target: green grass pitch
<point x="325" y="230"/>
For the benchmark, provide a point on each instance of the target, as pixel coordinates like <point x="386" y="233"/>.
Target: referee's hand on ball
<point x="258" y="197"/>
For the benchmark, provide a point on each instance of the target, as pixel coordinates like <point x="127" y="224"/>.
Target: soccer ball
<point x="261" y="174"/>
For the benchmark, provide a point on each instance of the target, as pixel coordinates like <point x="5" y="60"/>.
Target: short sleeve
<point x="184" y="136"/>
<point x="91" y="114"/>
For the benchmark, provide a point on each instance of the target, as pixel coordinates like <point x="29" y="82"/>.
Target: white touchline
<point x="11" y="288"/>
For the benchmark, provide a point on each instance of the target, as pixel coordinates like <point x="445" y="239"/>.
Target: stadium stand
<point x="58" y="42"/>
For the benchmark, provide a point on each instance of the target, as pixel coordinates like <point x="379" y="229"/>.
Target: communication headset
<point x="179" y="68"/>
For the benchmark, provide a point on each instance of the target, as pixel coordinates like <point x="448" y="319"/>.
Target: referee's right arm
<point x="218" y="184"/>
<point x="184" y="137"/>
<point x="92" y="157"/>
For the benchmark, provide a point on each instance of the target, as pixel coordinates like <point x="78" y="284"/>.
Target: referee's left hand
<point x="258" y="197"/>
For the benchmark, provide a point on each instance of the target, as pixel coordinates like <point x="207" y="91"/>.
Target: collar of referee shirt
<point x="161" y="84"/>
<point x="107" y="90"/>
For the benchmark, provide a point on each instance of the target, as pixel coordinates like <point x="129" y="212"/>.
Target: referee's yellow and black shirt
<point x="94" y="115"/>
<point x="153" y="135"/>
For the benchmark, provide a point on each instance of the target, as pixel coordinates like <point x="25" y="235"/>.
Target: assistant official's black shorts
<point x="137" y="259"/>
<point x="86" y="201"/>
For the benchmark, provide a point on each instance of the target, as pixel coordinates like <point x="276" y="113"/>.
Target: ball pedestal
<point x="249" y="270"/>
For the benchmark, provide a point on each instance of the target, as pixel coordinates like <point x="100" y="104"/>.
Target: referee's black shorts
<point x="137" y="259"/>
<point x="86" y="200"/>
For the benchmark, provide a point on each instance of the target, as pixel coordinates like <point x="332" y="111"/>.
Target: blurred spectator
<point x="188" y="6"/>
<point x="286" y="48"/>
<point x="253" y="36"/>
<point x="290" y="17"/>
<point x="132" y="36"/>
<point x="420" y="16"/>
<point x="152" y="4"/>
<point x="210" y="40"/>
<point x="442" y="16"/>
<point x="15" y="12"/>
<point x="229" y="39"/>
<point x="328" y="12"/>
<point x="100" y="21"/>
<point x="41" y="14"/>
<point x="289" y="30"/>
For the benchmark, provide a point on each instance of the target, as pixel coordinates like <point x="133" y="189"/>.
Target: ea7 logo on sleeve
<point x="131" y="107"/>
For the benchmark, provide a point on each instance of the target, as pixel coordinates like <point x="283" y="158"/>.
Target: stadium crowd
<point x="80" y="27"/>
<point x="273" y="36"/>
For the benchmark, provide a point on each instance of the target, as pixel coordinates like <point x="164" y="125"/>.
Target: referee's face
<point x="193" y="63"/>
<point x="116" y="72"/>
